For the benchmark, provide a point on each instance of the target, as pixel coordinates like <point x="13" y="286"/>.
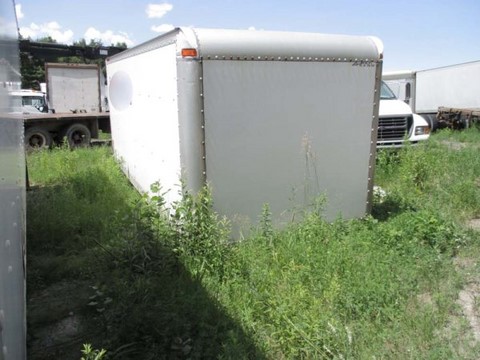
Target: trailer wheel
<point x="77" y="135"/>
<point x="37" y="138"/>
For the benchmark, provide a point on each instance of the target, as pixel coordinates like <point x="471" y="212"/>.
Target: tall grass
<point x="439" y="176"/>
<point x="171" y="285"/>
<point x="74" y="197"/>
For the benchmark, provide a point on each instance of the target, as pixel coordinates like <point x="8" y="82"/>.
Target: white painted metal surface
<point x="455" y="86"/>
<point x="12" y="201"/>
<point x="451" y="86"/>
<point x="73" y="87"/>
<point x="264" y="117"/>
<point x="402" y="83"/>
<point x="278" y="45"/>
<point x="256" y="45"/>
<point x="397" y="109"/>
<point x="144" y="119"/>
<point x="286" y="133"/>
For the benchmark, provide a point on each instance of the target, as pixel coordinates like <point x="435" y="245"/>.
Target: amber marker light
<point x="189" y="52"/>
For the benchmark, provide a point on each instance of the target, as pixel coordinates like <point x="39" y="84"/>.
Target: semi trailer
<point x="453" y="88"/>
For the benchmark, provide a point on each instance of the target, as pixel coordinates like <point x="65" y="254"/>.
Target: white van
<point x="397" y="123"/>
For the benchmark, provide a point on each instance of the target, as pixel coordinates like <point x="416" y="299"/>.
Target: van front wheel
<point x="432" y="121"/>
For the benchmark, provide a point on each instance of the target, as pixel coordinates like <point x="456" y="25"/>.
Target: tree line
<point x="32" y="66"/>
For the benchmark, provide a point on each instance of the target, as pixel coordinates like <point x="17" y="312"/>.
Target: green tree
<point x="121" y="45"/>
<point x="33" y="68"/>
<point x="81" y="42"/>
<point x="47" y="39"/>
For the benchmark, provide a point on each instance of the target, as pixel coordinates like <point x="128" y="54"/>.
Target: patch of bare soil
<point x="456" y="145"/>
<point x="469" y="296"/>
<point x="469" y="300"/>
<point x="474" y="224"/>
<point x="55" y="323"/>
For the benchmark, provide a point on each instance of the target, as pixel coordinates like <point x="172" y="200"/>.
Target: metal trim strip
<point x="373" y="140"/>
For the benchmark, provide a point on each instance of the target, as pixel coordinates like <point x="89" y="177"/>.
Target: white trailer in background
<point x="12" y="200"/>
<point x="277" y="118"/>
<point x="455" y="87"/>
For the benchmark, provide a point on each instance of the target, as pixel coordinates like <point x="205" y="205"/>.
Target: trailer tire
<point x="77" y="135"/>
<point x="37" y="138"/>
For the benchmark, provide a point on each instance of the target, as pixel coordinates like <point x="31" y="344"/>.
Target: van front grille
<point x="393" y="128"/>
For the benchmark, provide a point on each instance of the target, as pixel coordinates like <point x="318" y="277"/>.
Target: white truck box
<point x="277" y="118"/>
<point x="12" y="200"/>
<point x="73" y="87"/>
<point x="455" y="86"/>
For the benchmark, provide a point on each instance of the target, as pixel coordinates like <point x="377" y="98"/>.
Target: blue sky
<point x="416" y="35"/>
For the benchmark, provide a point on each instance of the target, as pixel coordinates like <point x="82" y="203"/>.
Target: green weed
<point x="92" y="354"/>
<point x="201" y="237"/>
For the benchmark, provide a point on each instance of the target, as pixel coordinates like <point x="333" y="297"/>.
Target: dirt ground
<point x="55" y="320"/>
<point x="467" y="298"/>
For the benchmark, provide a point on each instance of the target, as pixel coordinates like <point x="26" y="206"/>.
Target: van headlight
<point x="422" y="130"/>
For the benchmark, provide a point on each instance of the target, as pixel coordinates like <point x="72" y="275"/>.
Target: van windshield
<point x="386" y="93"/>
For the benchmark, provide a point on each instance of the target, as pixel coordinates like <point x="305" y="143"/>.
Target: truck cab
<point x="28" y="101"/>
<point x="397" y="124"/>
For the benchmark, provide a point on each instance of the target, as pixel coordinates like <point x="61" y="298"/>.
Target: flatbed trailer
<point x="43" y="130"/>
<point x="458" y="118"/>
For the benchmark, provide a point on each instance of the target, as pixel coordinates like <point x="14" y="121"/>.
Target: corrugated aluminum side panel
<point x="285" y="133"/>
<point x="12" y="201"/>
<point x="144" y="118"/>
<point x="452" y="86"/>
